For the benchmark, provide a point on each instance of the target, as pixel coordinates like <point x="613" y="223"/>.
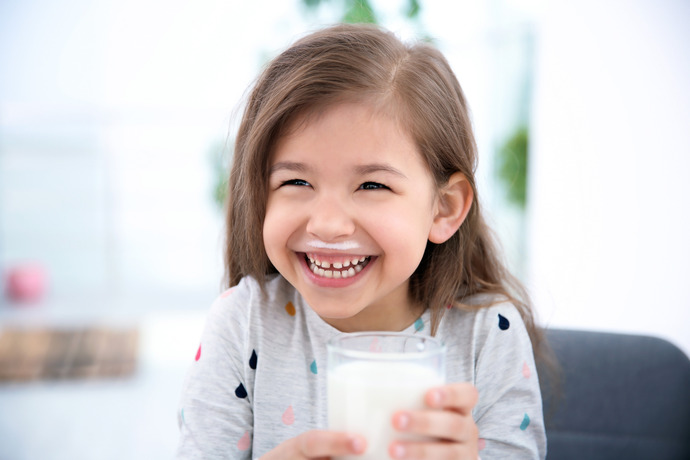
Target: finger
<point x="447" y="425"/>
<point x="319" y="443"/>
<point x="433" y="450"/>
<point x="461" y="397"/>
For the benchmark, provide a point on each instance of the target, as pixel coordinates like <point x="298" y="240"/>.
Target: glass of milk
<point x="371" y="375"/>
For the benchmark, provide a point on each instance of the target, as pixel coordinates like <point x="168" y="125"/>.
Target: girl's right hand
<point x="318" y="445"/>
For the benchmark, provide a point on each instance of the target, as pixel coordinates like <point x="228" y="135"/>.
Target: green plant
<point x="361" y="11"/>
<point x="220" y="154"/>
<point x="512" y="166"/>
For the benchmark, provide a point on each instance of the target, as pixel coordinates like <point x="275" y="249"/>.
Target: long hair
<point x="415" y="85"/>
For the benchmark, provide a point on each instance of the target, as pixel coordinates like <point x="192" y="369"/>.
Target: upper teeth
<point x="344" y="263"/>
<point x="322" y="267"/>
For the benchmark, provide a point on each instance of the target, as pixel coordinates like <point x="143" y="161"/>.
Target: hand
<point x="317" y="445"/>
<point x="449" y="422"/>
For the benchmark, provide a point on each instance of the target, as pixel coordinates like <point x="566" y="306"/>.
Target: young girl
<point x="353" y="207"/>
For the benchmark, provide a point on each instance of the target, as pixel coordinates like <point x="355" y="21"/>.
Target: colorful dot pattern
<point x="503" y="324"/>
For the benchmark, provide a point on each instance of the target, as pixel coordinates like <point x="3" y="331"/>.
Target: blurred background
<point x="116" y="125"/>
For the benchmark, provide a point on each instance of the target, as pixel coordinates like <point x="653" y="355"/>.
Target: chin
<point x="335" y="310"/>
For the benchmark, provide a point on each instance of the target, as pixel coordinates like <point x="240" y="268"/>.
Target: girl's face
<point x="350" y="207"/>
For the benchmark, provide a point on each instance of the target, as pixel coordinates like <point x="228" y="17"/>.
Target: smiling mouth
<point x="342" y="267"/>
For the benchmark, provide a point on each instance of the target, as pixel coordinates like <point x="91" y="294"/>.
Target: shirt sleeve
<point x="509" y="412"/>
<point x="215" y="412"/>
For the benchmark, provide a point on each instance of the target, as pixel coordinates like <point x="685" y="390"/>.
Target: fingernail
<point x="398" y="451"/>
<point x="357" y="445"/>
<point x="435" y="398"/>
<point x="403" y="421"/>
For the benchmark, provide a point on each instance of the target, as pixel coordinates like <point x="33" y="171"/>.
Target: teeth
<point x="340" y="269"/>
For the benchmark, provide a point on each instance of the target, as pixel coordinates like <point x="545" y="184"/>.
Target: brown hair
<point x="414" y="84"/>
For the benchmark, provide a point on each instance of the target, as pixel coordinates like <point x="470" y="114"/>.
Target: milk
<point x="363" y="396"/>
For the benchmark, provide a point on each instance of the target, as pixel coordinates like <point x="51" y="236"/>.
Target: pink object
<point x="26" y="283"/>
<point x="244" y="442"/>
<point x="289" y="416"/>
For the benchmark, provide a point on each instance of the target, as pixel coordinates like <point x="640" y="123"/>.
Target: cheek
<point x="279" y="224"/>
<point x="404" y="232"/>
<point x="271" y="230"/>
<point x="409" y="220"/>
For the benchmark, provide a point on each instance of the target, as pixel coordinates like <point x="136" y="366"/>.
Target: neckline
<point x="419" y="326"/>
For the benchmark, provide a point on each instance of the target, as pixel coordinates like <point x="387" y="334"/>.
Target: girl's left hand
<point x="449" y="421"/>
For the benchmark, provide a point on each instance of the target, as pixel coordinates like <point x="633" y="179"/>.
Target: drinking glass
<point x="371" y="375"/>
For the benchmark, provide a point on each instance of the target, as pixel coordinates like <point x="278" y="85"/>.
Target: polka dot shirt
<point x="258" y="376"/>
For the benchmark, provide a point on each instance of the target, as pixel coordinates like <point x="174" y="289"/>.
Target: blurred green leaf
<point x="512" y="166"/>
<point x="220" y="155"/>
<point x="413" y="9"/>
<point x="359" y="11"/>
<point x="312" y="3"/>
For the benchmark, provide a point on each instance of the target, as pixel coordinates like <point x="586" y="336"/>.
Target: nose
<point x="330" y="219"/>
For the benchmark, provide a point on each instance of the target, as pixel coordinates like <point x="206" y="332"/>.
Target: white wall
<point x="610" y="195"/>
<point x="108" y="113"/>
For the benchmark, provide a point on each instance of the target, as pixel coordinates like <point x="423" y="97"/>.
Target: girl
<point x="353" y="207"/>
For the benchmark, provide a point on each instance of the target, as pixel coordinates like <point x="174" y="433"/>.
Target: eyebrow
<point x="288" y="166"/>
<point x="378" y="167"/>
<point x="361" y="169"/>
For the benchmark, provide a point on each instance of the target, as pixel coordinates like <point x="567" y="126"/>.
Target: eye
<point x="297" y="182"/>
<point x="373" y="186"/>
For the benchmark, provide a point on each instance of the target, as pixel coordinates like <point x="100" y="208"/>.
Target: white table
<point x="132" y="418"/>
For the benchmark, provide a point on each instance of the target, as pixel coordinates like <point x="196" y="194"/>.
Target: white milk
<point x="363" y="396"/>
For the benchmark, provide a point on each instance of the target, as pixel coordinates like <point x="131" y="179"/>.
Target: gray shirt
<point x="260" y="375"/>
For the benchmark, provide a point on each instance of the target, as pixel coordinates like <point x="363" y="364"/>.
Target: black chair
<point x="617" y="397"/>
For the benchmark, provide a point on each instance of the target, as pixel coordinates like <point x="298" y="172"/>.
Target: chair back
<point x="619" y="397"/>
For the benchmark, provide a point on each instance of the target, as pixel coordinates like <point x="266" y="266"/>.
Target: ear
<point x="452" y="206"/>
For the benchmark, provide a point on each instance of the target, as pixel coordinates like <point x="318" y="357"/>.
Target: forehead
<point x="374" y="103"/>
<point x="358" y="129"/>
